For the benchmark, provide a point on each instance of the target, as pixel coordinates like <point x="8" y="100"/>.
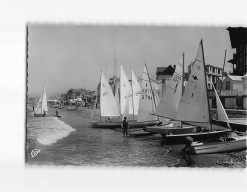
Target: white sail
<point x="136" y="89"/>
<point x="194" y="104"/>
<point x="126" y="109"/>
<point x="221" y="113"/>
<point x="42" y="104"/>
<point x="169" y="102"/>
<point x="108" y="105"/>
<point x="44" y="101"/>
<point x="117" y="95"/>
<point x="38" y="109"/>
<point x="146" y="104"/>
<point x="124" y="90"/>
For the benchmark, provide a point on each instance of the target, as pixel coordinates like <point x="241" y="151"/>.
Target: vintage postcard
<point x="136" y="96"/>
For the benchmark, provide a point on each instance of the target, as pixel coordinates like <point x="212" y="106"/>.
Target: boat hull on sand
<point x="218" y="146"/>
<point x="132" y="124"/>
<point x="235" y="124"/>
<point x="180" y="138"/>
<point x="96" y="124"/>
<point x="166" y="130"/>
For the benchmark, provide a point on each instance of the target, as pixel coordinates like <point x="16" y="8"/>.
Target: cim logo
<point x="35" y="152"/>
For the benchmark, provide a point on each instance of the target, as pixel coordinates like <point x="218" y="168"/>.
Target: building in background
<point x="238" y="37"/>
<point x="213" y="74"/>
<point x="164" y="74"/>
<point x="231" y="93"/>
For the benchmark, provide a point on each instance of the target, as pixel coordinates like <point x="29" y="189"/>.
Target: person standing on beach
<point x="125" y="127"/>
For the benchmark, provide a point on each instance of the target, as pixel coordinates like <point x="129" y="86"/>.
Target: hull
<point x="96" y="124"/>
<point x="166" y="130"/>
<point x="71" y="109"/>
<point x="39" y="115"/>
<point x="134" y="124"/>
<point x="180" y="138"/>
<point x="236" y="125"/>
<point x="218" y="147"/>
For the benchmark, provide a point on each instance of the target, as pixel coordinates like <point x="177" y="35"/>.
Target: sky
<point x="72" y="56"/>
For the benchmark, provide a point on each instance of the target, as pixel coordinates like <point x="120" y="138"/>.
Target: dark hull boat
<point x="166" y="130"/>
<point x="143" y="124"/>
<point x="181" y="138"/>
<point x="132" y="124"/>
<point x="39" y="115"/>
<point x="235" y="124"/>
<point x="223" y="144"/>
<point x="103" y="125"/>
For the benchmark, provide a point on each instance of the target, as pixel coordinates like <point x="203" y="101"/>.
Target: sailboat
<point x="193" y="108"/>
<point x="131" y="103"/>
<point x="42" y="109"/>
<point x="108" y="107"/>
<point x="169" y="104"/>
<point x="147" y="104"/>
<point x="230" y="142"/>
<point x="220" y="119"/>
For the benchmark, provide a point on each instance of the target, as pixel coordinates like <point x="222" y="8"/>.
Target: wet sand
<point x="231" y="159"/>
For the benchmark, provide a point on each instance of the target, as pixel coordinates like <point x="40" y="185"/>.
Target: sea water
<point x="71" y="141"/>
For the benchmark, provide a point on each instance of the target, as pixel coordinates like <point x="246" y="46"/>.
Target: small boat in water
<point x="232" y="142"/>
<point x="42" y="109"/>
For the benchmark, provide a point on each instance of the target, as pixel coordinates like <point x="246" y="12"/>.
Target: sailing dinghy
<point x="237" y="124"/>
<point x="137" y="102"/>
<point x="168" y="106"/>
<point x="230" y="142"/>
<point x="194" y="105"/>
<point x="42" y="109"/>
<point x="143" y="102"/>
<point x="109" y="112"/>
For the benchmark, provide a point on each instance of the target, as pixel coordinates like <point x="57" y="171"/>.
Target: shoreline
<point x="221" y="160"/>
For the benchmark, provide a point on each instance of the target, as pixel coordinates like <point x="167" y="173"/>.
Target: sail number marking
<point x="177" y="78"/>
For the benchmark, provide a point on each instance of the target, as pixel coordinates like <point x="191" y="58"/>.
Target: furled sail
<point x="194" y="104"/>
<point x="221" y="113"/>
<point x="108" y="105"/>
<point x="146" y="104"/>
<point x="170" y="100"/>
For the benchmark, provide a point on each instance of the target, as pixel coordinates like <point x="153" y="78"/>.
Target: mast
<point x="100" y="93"/>
<point x="210" y="121"/>
<point x="223" y="72"/>
<point x="151" y="87"/>
<point x="183" y="77"/>
<point x="132" y="93"/>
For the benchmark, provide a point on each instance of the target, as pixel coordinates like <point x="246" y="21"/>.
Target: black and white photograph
<point x="112" y="95"/>
<point x="123" y="96"/>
